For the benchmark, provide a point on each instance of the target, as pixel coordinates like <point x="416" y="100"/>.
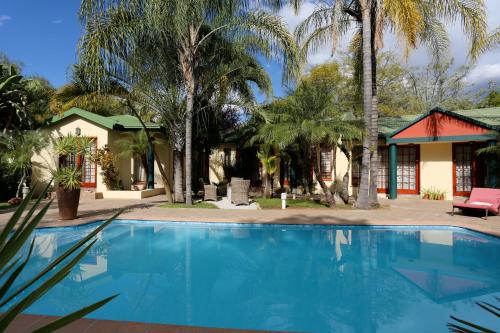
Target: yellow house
<point x="416" y="152"/>
<point x="105" y="131"/>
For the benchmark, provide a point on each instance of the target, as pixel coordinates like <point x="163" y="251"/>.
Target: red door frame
<point x="417" y="174"/>
<point x="80" y="160"/>
<point x="474" y="167"/>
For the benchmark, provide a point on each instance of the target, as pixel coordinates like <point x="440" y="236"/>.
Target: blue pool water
<point x="277" y="277"/>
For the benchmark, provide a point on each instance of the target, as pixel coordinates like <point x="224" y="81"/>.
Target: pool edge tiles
<point x="268" y="224"/>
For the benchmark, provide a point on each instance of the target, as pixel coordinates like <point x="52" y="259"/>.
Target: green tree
<point x="269" y="163"/>
<point x="82" y="94"/>
<point x="492" y="98"/>
<point x="136" y="144"/>
<point x="414" y="22"/>
<point x="187" y="26"/>
<point x="17" y="149"/>
<point x="308" y="117"/>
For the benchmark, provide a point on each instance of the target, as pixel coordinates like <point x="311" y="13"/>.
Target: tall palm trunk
<point x="363" y="195"/>
<point x="374" y="162"/>
<point x="187" y="64"/>
<point x="178" y="191"/>
<point x="330" y="198"/>
<point x="344" y="195"/>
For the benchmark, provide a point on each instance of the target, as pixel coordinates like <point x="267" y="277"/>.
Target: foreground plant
<point x="463" y="326"/>
<point x="13" y="238"/>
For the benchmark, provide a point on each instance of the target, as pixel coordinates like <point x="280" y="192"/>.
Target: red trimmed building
<point x="436" y="150"/>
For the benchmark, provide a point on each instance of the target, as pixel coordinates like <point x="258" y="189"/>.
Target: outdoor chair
<point x="239" y="191"/>
<point x="210" y="192"/>
<point x="486" y="199"/>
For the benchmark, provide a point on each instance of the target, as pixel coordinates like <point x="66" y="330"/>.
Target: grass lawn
<point x="195" y="205"/>
<point x="275" y="203"/>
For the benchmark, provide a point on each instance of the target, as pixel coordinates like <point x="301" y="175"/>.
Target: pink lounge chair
<point x="487" y="199"/>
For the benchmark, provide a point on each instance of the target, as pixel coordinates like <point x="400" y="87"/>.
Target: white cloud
<point x="4" y="18"/>
<point x="484" y="72"/>
<point x="58" y="21"/>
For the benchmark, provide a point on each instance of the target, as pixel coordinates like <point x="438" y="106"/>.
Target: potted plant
<point x="68" y="180"/>
<point x="72" y="151"/>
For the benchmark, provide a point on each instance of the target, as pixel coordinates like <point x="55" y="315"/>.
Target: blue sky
<point x="43" y="35"/>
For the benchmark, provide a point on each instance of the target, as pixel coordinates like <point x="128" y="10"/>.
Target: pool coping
<point x="373" y="224"/>
<point x="29" y="322"/>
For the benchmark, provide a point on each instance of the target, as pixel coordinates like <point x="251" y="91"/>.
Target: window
<point x="383" y="168"/>
<point x="326" y="163"/>
<point x="227" y="157"/>
<point x="407" y="168"/>
<point x="89" y="168"/>
<point x="463" y="168"/>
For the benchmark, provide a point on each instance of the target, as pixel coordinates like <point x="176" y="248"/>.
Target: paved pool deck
<point x="400" y="212"/>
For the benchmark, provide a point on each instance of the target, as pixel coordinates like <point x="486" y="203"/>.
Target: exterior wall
<point x="45" y="162"/>
<point x="438" y="124"/>
<point x="339" y="172"/>
<point x="216" y="162"/>
<point x="125" y="164"/>
<point x="166" y="155"/>
<point x="436" y="167"/>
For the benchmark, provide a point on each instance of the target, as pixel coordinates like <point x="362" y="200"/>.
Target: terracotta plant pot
<point x="68" y="201"/>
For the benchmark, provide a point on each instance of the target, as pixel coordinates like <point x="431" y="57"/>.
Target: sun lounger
<point x="486" y="199"/>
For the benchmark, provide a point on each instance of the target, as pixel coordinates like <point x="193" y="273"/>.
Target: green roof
<point x="487" y="117"/>
<point x="121" y="122"/>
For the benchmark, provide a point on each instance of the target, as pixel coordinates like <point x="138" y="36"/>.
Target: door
<point x="408" y="170"/>
<point x="468" y="168"/>
<point x="89" y="167"/>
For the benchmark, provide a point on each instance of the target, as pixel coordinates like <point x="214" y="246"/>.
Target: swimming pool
<point x="277" y="277"/>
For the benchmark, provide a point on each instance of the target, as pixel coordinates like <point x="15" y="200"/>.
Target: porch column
<point x="393" y="163"/>
<point x="492" y="168"/>
<point x="151" y="168"/>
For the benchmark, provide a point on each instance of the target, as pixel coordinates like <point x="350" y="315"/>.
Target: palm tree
<point x="81" y="94"/>
<point x="414" y="22"/>
<point x="136" y="145"/>
<point x="186" y="26"/>
<point x="17" y="149"/>
<point x="307" y="117"/>
<point x="269" y="163"/>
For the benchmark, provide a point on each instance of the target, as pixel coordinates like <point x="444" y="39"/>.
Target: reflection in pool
<point x="281" y="277"/>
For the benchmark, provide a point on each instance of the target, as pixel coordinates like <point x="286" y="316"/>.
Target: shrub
<point x="109" y="172"/>
<point x="433" y="193"/>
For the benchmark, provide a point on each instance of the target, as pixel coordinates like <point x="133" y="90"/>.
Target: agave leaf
<point x="59" y="259"/>
<point x="9" y="267"/>
<point x="490" y="308"/>
<point x="14" y="219"/>
<point x="16" y="309"/>
<point x="6" y="286"/>
<point x="35" y="206"/>
<point x="477" y="327"/>
<point x="61" y="322"/>
<point x="458" y="329"/>
<point x="20" y="236"/>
